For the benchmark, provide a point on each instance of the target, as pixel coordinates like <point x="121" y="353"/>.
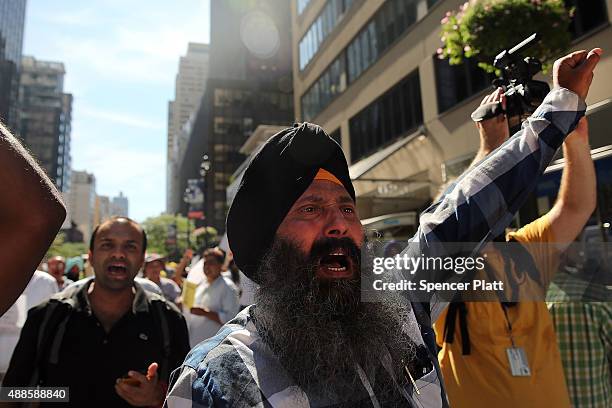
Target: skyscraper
<point x="249" y="84"/>
<point x="12" y="22"/>
<point x="102" y="209"/>
<point x="82" y="202"/>
<point x="120" y="206"/>
<point x="45" y="117"/>
<point x="189" y="88"/>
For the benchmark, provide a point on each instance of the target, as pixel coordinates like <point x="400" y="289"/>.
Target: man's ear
<point x="141" y="262"/>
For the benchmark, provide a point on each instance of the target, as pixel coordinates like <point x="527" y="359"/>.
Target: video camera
<point x="523" y="94"/>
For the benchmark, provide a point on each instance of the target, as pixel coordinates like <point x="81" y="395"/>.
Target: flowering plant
<point x="483" y="28"/>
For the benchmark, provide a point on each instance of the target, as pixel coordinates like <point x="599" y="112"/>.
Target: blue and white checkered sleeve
<point x="483" y="201"/>
<point x="180" y="391"/>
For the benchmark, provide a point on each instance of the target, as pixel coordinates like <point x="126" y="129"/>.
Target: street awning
<point x="390" y="220"/>
<point x="400" y="173"/>
<point x="391" y="226"/>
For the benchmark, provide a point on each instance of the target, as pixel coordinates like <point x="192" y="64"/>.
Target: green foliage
<point x="157" y="233"/>
<point x="206" y="237"/>
<point x="483" y="28"/>
<point x="66" y="249"/>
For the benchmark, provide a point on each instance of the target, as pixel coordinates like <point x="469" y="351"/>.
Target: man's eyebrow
<point x="310" y="198"/>
<point x="318" y="200"/>
<point x="346" y="200"/>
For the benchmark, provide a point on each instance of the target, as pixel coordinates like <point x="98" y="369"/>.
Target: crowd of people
<point x="279" y="319"/>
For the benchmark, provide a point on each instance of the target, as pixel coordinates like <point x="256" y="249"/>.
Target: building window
<point x="301" y="5"/>
<point x="396" y="113"/>
<point x="228" y="126"/>
<point x="326" y="21"/>
<point x="232" y="98"/>
<point x="390" y="22"/>
<point x="456" y="83"/>
<point x="589" y="14"/>
<point x="329" y="85"/>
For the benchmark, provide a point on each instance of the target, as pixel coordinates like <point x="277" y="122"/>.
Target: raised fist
<point x="575" y="71"/>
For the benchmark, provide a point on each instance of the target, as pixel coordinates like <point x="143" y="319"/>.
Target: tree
<point x="162" y="239"/>
<point x="483" y="28"/>
<point x="205" y="237"/>
<point x="66" y="249"/>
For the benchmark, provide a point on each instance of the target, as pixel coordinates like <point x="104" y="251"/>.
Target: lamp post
<point x="205" y="165"/>
<point x="204" y="169"/>
<point x="187" y="199"/>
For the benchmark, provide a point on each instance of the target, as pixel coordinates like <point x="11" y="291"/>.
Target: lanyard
<point x="505" y="309"/>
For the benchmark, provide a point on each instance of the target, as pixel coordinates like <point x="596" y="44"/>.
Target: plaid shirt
<point x="584" y="335"/>
<point x="236" y="369"/>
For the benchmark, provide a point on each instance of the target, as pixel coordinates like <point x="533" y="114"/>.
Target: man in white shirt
<point x="57" y="267"/>
<point x="153" y="266"/>
<point x="40" y="288"/>
<point x="216" y="300"/>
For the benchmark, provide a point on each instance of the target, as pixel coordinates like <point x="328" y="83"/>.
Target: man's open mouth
<point x="336" y="264"/>
<point x="117" y="270"/>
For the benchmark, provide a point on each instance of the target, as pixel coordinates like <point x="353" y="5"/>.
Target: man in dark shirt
<point x="94" y="334"/>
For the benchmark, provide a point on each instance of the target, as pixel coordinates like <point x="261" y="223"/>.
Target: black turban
<point x="278" y="174"/>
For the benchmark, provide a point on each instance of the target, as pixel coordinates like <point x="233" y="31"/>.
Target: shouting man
<point x="309" y="340"/>
<point x="106" y="338"/>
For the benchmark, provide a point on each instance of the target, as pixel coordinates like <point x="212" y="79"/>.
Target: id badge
<point x="519" y="367"/>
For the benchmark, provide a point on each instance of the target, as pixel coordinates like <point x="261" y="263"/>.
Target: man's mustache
<point x="325" y="246"/>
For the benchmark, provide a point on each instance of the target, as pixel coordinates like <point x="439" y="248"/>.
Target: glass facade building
<point x="390" y="22"/>
<point x="387" y="25"/>
<point x="12" y="21"/>
<point x="45" y="117"/>
<point x="244" y="89"/>
<point x="301" y="5"/>
<point x="333" y="12"/>
<point x="396" y="113"/>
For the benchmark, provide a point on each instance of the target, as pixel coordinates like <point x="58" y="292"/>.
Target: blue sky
<point x="121" y="59"/>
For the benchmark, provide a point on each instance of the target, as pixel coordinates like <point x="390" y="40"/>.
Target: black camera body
<point x="523" y="93"/>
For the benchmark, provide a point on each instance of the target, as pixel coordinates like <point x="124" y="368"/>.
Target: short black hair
<point x="217" y="253"/>
<point x="113" y="219"/>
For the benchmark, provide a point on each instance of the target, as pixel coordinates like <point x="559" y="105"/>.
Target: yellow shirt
<point x="483" y="378"/>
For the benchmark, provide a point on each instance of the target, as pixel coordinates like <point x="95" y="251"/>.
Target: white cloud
<point x="142" y="50"/>
<point x="121" y="118"/>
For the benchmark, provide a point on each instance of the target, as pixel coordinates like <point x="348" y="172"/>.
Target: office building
<point x="367" y="72"/>
<point x="120" y="206"/>
<point x="81" y="203"/>
<point x="249" y="84"/>
<point x="189" y="88"/>
<point x="102" y="209"/>
<point x="12" y="23"/>
<point x="45" y="117"/>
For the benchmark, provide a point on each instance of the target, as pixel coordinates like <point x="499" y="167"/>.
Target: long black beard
<point x="320" y="329"/>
